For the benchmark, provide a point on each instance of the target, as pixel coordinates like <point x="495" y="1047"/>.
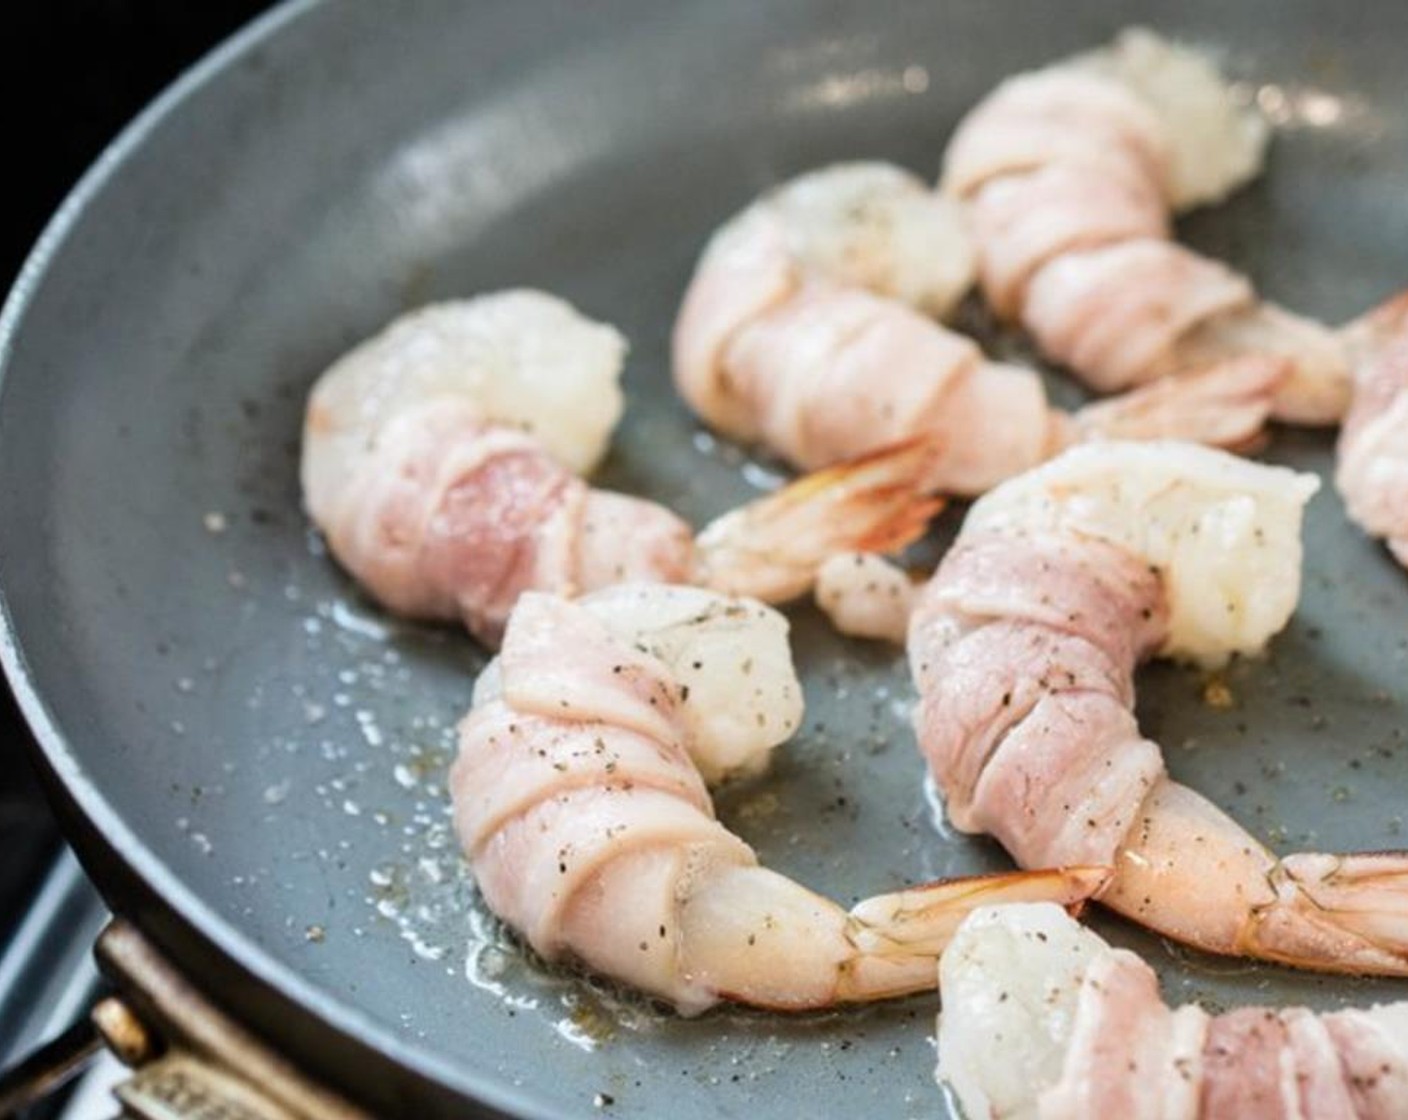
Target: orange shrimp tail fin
<point x="928" y="914"/>
<point x="1336" y="913"/>
<point x="898" y="938"/>
<point x="772" y="548"/>
<point x="1225" y="404"/>
<point x="876" y="500"/>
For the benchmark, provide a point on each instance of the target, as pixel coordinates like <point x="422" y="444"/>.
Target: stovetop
<point x="72" y="73"/>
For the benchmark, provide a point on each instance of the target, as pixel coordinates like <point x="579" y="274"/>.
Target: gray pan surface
<point x="252" y="758"/>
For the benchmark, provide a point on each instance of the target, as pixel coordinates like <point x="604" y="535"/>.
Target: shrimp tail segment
<point x="923" y="919"/>
<point x="898" y="937"/>
<point x="771" y="549"/>
<point x="1226" y="404"/>
<point x="1335" y="913"/>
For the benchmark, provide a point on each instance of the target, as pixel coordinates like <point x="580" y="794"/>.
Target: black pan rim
<point x="103" y="837"/>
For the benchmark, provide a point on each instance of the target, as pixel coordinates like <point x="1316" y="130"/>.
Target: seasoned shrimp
<point x="807" y="328"/>
<point x="1070" y="174"/>
<point x="579" y="801"/>
<point x="1042" y="1020"/>
<point x="440" y="458"/>
<point x="864" y="595"/>
<point x="1023" y="647"/>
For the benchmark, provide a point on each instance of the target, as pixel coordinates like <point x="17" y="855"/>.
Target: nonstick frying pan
<point x="250" y="758"/>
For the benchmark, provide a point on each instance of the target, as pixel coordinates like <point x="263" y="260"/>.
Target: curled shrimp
<point x="865" y="595"/>
<point x="1043" y="1019"/>
<point x="441" y="461"/>
<point x="1071" y="173"/>
<point x="579" y="800"/>
<point x="808" y="328"/>
<point x="1024" y="646"/>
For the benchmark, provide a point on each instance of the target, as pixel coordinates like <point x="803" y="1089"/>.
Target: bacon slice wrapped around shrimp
<point x="1071" y="175"/>
<point x="1024" y="645"/>
<point x="809" y="328"/>
<point x="1042" y="1020"/>
<point x="579" y="798"/>
<point x="441" y="459"/>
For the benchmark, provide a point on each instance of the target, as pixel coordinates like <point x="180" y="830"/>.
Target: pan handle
<point x="189" y="1061"/>
<point x="167" y="1083"/>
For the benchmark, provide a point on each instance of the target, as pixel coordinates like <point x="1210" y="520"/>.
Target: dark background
<point x="72" y="73"/>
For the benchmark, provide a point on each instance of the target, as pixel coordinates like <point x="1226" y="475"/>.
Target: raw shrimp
<point x="1023" y="647"/>
<point x="864" y="595"/>
<point x="439" y="460"/>
<point x="1042" y="1020"/>
<point x="1070" y="174"/>
<point x="807" y="329"/>
<point x="579" y="800"/>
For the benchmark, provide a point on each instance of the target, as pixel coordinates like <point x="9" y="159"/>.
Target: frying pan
<point x="250" y="758"/>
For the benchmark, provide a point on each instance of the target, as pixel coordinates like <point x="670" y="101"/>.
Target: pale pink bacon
<point x="1049" y="117"/>
<point x="1132" y="1056"/>
<point x="771" y="348"/>
<point x="448" y="517"/>
<point x="576" y="802"/>
<point x="836" y="372"/>
<point x="1024" y="645"/>
<point x="1070" y="174"/>
<point x="1070" y="180"/>
<point x="1024" y="221"/>
<point x="820" y="373"/>
<point x="590" y="832"/>
<point x="1024" y="659"/>
<point x="1117" y="313"/>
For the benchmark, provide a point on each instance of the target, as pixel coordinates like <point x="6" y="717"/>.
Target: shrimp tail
<point x="1226" y="404"/>
<point x="771" y="549"/>
<point x="1345" y="913"/>
<point x="924" y="918"/>
<point x="898" y="937"/>
<point x="1330" y="913"/>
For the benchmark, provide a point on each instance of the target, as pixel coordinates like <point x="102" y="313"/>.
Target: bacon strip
<point x="449" y="517"/>
<point x="1025" y="660"/>
<point x="580" y="812"/>
<point x="1130" y="1055"/>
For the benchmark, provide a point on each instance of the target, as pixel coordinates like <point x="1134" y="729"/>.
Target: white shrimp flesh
<point x="866" y="596"/>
